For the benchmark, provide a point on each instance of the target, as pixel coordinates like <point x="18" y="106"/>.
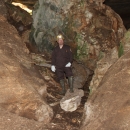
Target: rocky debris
<point x="22" y="88"/>
<point x="71" y="101"/>
<point x="10" y="121"/>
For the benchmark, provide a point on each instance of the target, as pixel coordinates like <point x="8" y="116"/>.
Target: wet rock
<point x="71" y="101"/>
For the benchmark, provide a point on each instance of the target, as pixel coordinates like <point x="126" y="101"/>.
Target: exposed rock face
<point x="80" y="73"/>
<point x="22" y="89"/>
<point x="3" y="10"/>
<point x="108" y="60"/>
<point x="102" y="67"/>
<point x="89" y="27"/>
<point x="108" y="107"/>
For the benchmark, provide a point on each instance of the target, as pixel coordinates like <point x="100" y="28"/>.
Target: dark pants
<point x="64" y="70"/>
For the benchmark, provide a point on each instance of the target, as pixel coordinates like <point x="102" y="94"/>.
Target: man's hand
<point x="68" y="64"/>
<point x="53" y="68"/>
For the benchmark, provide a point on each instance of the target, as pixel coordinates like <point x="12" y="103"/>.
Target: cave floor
<point x="63" y="120"/>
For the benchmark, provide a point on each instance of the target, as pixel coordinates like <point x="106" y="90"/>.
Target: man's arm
<point x="53" y="61"/>
<point x="53" y="58"/>
<point x="70" y="55"/>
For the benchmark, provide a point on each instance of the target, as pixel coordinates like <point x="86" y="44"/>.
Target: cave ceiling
<point x="122" y="7"/>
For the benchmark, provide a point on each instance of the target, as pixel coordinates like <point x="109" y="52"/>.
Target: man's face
<point x="60" y="41"/>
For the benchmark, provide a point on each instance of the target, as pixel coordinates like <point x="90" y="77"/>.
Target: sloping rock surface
<point x="22" y="89"/>
<point x="109" y="106"/>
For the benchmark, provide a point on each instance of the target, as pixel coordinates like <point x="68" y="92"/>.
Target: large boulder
<point x="89" y="27"/>
<point x="108" y="107"/>
<point x="22" y="88"/>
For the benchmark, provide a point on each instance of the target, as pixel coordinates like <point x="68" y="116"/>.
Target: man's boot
<point x="70" y="79"/>
<point x="62" y="83"/>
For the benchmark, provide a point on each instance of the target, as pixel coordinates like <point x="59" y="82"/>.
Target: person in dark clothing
<point x="61" y="63"/>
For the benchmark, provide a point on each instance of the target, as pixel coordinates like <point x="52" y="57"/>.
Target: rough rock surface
<point x="10" y="121"/>
<point x="71" y="101"/>
<point x="89" y="27"/>
<point x="80" y="73"/>
<point x="22" y="89"/>
<point x="109" y="59"/>
<point x="126" y="42"/>
<point x="101" y="68"/>
<point x="108" y="107"/>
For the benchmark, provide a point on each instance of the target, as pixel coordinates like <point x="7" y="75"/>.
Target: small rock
<point x="71" y="101"/>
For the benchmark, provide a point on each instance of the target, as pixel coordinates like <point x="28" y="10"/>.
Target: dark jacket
<point x="60" y="57"/>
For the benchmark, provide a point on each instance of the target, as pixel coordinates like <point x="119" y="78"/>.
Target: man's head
<point x="60" y="39"/>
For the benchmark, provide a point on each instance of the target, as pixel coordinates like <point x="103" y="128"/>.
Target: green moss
<point x="120" y="50"/>
<point x="36" y="34"/>
<point x="101" y="54"/>
<point x="82" y="49"/>
<point x="90" y="90"/>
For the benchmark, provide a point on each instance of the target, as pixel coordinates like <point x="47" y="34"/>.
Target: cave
<point x="98" y="34"/>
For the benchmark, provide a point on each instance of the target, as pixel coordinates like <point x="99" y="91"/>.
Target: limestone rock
<point x="89" y="27"/>
<point x="107" y="60"/>
<point x="22" y="88"/>
<point x="101" y="68"/>
<point x="108" y="108"/>
<point x="71" y="101"/>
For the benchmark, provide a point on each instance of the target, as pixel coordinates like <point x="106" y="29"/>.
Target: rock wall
<point x="89" y="27"/>
<point x="22" y="88"/>
<point x="108" y="107"/>
<point x="109" y="59"/>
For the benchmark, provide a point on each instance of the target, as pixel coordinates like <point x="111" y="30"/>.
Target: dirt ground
<point x="65" y="120"/>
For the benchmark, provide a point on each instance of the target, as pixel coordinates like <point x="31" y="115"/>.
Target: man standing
<point x="61" y="63"/>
